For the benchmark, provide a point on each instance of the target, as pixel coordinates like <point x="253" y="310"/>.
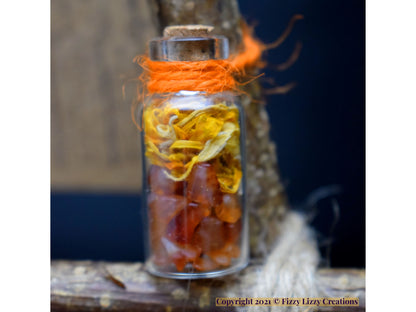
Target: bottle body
<point x="194" y="184"/>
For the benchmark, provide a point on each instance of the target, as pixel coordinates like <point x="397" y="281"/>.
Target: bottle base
<point x="195" y="275"/>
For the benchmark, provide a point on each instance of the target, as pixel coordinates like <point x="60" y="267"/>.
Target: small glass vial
<point x="194" y="169"/>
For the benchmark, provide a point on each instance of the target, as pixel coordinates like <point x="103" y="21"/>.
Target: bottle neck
<point x="188" y="43"/>
<point x="189" y="49"/>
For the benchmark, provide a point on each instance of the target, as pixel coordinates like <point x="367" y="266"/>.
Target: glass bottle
<point x="194" y="171"/>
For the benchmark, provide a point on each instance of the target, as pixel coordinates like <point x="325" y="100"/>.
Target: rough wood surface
<point x="104" y="286"/>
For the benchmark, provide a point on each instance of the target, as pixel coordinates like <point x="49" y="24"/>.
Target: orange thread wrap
<point x="209" y="76"/>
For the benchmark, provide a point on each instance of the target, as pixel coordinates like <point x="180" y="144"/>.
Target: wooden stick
<point x="119" y="287"/>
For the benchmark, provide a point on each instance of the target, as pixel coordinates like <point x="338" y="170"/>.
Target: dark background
<point x="318" y="127"/>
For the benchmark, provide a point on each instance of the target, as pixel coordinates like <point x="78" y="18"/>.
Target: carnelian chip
<point x="162" y="209"/>
<point x="180" y="254"/>
<point x="210" y="234"/>
<point x="224" y="255"/>
<point x="229" y="210"/>
<point x="205" y="263"/>
<point x="182" y="227"/>
<point x="180" y="263"/>
<point x="159" y="255"/>
<point x="203" y="187"/>
<point x="220" y="257"/>
<point x="160" y="184"/>
<point x="233" y="231"/>
<point x="232" y="250"/>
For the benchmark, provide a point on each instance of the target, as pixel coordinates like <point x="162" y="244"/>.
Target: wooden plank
<point x="119" y="287"/>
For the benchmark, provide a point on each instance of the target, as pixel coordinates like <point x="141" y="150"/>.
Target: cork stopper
<point x="188" y="43"/>
<point x="187" y="31"/>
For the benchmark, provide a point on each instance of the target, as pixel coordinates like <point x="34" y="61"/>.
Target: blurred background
<point x="319" y="127"/>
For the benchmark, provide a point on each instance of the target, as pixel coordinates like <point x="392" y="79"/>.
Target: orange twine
<point x="250" y="56"/>
<point x="209" y="76"/>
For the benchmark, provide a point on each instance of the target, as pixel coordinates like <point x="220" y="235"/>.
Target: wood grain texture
<point x="104" y="286"/>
